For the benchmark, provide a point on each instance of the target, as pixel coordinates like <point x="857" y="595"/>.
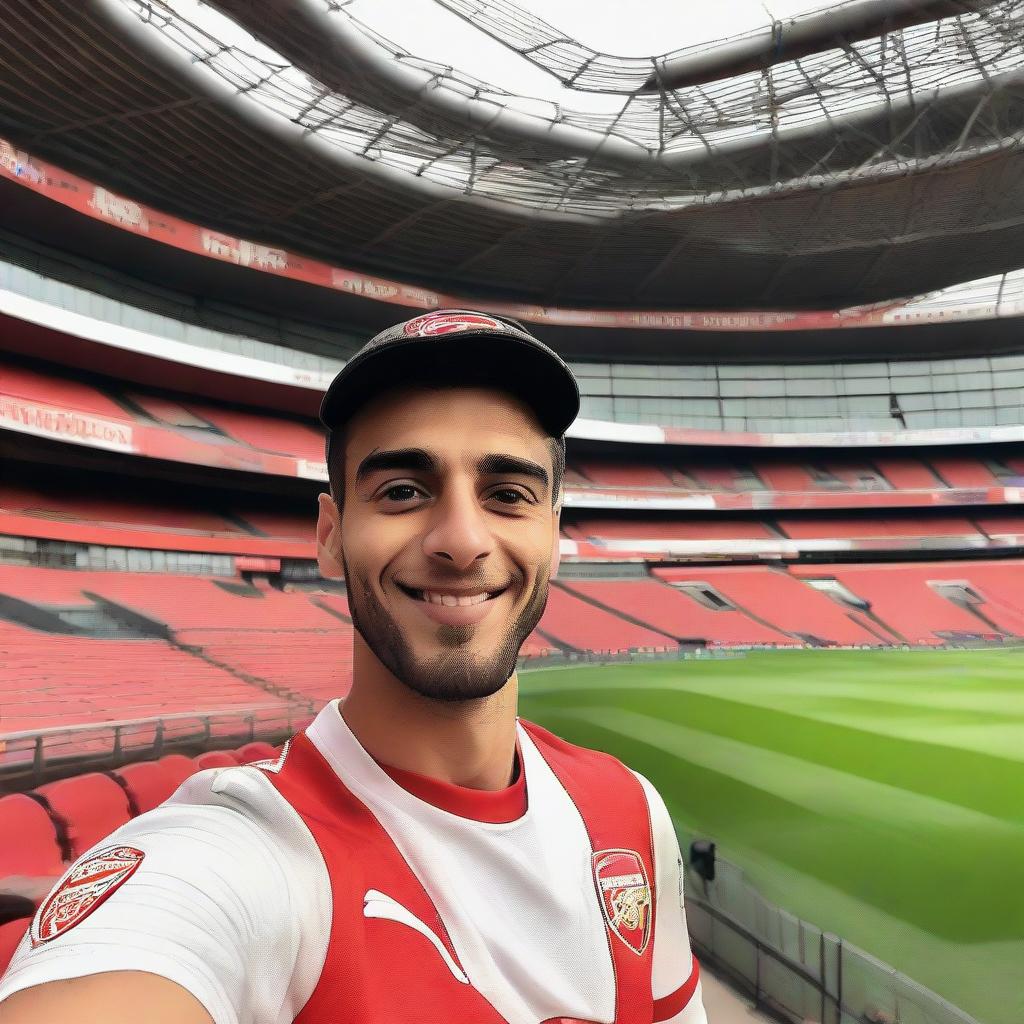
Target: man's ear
<point x="556" y="546"/>
<point x="328" y="538"/>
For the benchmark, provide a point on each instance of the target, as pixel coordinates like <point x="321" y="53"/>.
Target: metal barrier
<point x="33" y="757"/>
<point x="794" y="969"/>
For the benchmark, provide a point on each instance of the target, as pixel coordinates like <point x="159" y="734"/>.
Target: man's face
<point x="446" y="536"/>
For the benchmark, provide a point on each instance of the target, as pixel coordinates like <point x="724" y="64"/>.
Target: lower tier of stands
<point x="81" y="647"/>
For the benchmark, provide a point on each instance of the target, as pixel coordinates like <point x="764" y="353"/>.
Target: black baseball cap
<point x="461" y="345"/>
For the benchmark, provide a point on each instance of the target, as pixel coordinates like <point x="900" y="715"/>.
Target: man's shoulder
<point x="589" y="766"/>
<point x="217" y="816"/>
<point x="593" y="768"/>
<point x="219" y="889"/>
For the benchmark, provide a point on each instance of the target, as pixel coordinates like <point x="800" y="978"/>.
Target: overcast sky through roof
<point x="611" y="26"/>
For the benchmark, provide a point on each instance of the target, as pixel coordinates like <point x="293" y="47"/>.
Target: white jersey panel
<point x="673" y="958"/>
<point x="511" y="894"/>
<point x="231" y="901"/>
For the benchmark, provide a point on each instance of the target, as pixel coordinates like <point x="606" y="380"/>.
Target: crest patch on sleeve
<point x="87" y="886"/>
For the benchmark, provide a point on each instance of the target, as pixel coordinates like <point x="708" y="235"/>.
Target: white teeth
<point x="451" y="601"/>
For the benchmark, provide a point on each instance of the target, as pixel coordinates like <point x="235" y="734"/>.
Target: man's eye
<point x="517" y="498"/>
<point x="401" y="492"/>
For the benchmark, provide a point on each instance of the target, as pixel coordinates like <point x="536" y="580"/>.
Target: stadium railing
<point x="33" y="757"/>
<point x="793" y="968"/>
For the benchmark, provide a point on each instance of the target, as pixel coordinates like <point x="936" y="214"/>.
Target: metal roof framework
<point x="842" y="177"/>
<point x="924" y="96"/>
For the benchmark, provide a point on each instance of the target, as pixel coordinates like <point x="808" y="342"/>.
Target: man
<point x="418" y="854"/>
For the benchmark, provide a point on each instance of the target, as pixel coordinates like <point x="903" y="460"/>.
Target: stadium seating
<point x="269" y="433"/>
<point x="216" y="759"/>
<point x="282" y="435"/>
<point x="721" y="478"/>
<point x="86" y="809"/>
<point x="313" y="663"/>
<point x="907" y="474"/>
<point x="53" y="680"/>
<point x="1001" y="526"/>
<point x="780" y="602"/>
<point x="606" y="474"/>
<point x="118" y="510"/>
<point x="89" y="807"/>
<point x="56" y="388"/>
<point x="147" y="783"/>
<point x="280" y="524"/>
<point x="177" y="767"/>
<point x="258" y="751"/>
<point x="962" y="472"/>
<point x="675" y="612"/>
<point x="902" y="597"/>
<point x="662" y="529"/>
<point x="583" y="626"/>
<point x="785" y="477"/>
<point x="37" y="852"/>
<point x="831" y="527"/>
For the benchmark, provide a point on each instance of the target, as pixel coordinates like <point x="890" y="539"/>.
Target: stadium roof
<point x="844" y="175"/>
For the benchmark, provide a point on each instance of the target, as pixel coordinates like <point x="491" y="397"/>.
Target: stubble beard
<point x="455" y="673"/>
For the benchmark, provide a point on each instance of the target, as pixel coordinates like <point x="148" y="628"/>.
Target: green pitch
<point x="878" y="795"/>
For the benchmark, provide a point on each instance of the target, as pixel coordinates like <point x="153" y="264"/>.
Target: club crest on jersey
<point x="87" y="886"/>
<point x="625" y="896"/>
<point x="431" y="324"/>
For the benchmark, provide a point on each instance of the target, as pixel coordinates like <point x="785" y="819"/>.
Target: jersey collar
<point x="329" y="732"/>
<point x="497" y="807"/>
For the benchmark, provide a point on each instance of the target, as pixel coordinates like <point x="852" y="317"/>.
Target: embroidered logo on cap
<point x="431" y="324"/>
<point x="87" y="886"/>
<point x="625" y="896"/>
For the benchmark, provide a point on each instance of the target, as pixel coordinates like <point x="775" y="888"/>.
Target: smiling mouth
<point x="450" y="600"/>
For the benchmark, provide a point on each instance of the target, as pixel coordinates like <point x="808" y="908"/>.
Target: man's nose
<point x="458" y="533"/>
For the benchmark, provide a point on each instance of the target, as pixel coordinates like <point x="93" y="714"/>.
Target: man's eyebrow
<point x="491" y="465"/>
<point x="415" y="459"/>
<point x="420" y="461"/>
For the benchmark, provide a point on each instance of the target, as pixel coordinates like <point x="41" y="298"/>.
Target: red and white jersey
<point x="323" y="888"/>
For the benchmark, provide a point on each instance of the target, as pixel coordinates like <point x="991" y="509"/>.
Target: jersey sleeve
<point x="678" y="998"/>
<point x="210" y="904"/>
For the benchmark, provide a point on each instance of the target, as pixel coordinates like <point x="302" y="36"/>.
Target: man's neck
<point x="468" y="743"/>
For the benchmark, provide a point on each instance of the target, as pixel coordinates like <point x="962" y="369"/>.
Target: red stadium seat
<point x="90" y="807"/>
<point x="148" y="784"/>
<point x="258" y="751"/>
<point x="177" y="767"/>
<point x="11" y="935"/>
<point x="216" y="759"/>
<point x="37" y="850"/>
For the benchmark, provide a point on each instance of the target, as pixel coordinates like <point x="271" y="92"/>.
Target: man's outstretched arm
<point x="101" y="998"/>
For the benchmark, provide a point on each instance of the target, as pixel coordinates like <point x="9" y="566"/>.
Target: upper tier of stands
<point x="47" y="403"/>
<point x="117" y="512"/>
<point x="888" y="396"/>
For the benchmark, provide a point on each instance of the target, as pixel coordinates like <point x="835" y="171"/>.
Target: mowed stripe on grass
<point x="767" y="754"/>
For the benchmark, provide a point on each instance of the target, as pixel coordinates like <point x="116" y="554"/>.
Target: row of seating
<point x="232" y="645"/>
<point x="763" y="471"/>
<point x="976" y="529"/>
<point x="127" y="522"/>
<point x="56" y="823"/>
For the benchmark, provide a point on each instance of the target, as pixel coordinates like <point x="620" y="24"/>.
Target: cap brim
<point x="525" y="368"/>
